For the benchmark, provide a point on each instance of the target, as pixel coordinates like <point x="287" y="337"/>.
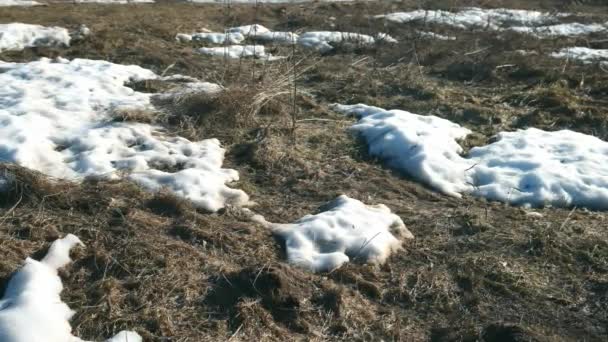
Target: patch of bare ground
<point x="477" y="270"/>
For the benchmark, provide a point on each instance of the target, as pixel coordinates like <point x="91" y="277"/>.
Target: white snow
<point x="239" y="51"/>
<point x="4" y="3"/>
<point x="55" y="117"/>
<point x="583" y="54"/>
<point x="475" y="17"/>
<point x="212" y="37"/>
<point x="538" y="24"/>
<point x="346" y="230"/>
<point x="528" y="167"/>
<point x="249" y="30"/>
<point x="425" y="147"/>
<point x="433" y="35"/>
<point x="324" y="41"/>
<point x="562" y="30"/>
<point x="18" y="36"/>
<point x="32" y="309"/>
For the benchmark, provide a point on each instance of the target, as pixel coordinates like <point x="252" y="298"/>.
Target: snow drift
<point x="32" y="310"/>
<point x="528" y="167"/>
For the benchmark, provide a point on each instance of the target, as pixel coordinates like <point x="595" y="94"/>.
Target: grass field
<point x="476" y="271"/>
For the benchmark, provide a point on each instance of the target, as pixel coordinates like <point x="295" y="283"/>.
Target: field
<point x="477" y="270"/>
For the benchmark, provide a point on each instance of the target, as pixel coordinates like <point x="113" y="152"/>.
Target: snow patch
<point x="5" y="3"/>
<point x="528" y="167"/>
<point x="346" y="229"/>
<point x="239" y="51"/>
<point x="55" y="117"/>
<point x="433" y="35"/>
<point x="562" y="30"/>
<point x="18" y="36"/>
<point x="583" y="54"/>
<point x="475" y="17"/>
<point x="33" y="295"/>
<point x="212" y="37"/>
<point x="324" y="41"/>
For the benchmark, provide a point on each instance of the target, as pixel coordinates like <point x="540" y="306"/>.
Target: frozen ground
<point x="18" y="36"/>
<point x="33" y="295"/>
<point x="56" y="118"/>
<point x="527" y="167"/>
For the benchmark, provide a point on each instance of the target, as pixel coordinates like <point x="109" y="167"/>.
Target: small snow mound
<point x="239" y="51"/>
<point x="33" y="295"/>
<point x="347" y="229"/>
<point x="18" y="36"/>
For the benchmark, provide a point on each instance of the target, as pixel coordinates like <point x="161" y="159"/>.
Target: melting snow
<point x="18" y="36"/>
<point x="239" y="51"/>
<point x="4" y="3"/>
<point x="536" y="23"/>
<point x="324" y="41"/>
<point x="212" y="37"/>
<point x="55" y="117"/>
<point x="475" y="17"/>
<point x="32" y="310"/>
<point x="346" y="229"/>
<point x="562" y="30"/>
<point x="583" y="54"/>
<point x="433" y="35"/>
<point x="526" y="167"/>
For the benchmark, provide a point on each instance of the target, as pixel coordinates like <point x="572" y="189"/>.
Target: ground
<point x="476" y="271"/>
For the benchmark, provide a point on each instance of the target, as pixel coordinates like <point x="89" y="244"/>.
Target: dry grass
<point x="477" y="271"/>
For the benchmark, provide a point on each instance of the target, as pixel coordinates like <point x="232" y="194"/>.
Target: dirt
<point x="476" y="271"/>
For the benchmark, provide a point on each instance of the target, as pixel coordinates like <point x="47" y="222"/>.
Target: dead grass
<point x="477" y="270"/>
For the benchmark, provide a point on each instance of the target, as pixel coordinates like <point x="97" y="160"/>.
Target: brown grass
<point x="477" y="270"/>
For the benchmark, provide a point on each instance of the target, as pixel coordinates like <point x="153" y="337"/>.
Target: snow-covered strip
<point x="346" y="230"/>
<point x="249" y="30"/>
<point x="583" y="54"/>
<point x="324" y="41"/>
<point x="476" y="17"/>
<point x="18" y="36"/>
<point x="239" y="51"/>
<point x="212" y="37"/>
<point x="32" y="309"/>
<point x="433" y="35"/>
<point x="55" y="117"/>
<point x="114" y="2"/>
<point x="5" y="3"/>
<point x="528" y="167"/>
<point x="562" y="30"/>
